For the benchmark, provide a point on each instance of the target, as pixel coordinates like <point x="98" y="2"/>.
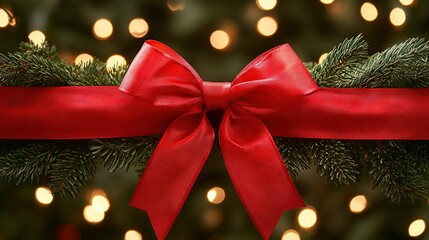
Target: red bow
<point x="160" y="75"/>
<point x="161" y="93"/>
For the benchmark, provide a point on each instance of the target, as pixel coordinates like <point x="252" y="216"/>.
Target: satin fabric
<point x="161" y="93"/>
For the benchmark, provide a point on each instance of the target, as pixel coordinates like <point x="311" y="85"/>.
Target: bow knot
<point x="216" y="95"/>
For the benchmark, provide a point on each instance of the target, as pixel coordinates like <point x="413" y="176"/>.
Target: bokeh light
<point x="290" y="234"/>
<point x="100" y="203"/>
<point x="102" y="29"/>
<point x="4" y="18"/>
<point x="216" y="195"/>
<point x="368" y="11"/>
<point x="322" y="57"/>
<point x="138" y="27"/>
<point x="397" y="17"/>
<point x="307" y="217"/>
<point x="416" y="228"/>
<point x="133" y="235"/>
<point x="267" y="26"/>
<point x="115" y="61"/>
<point x="92" y="215"/>
<point x="406" y="2"/>
<point x="358" y="204"/>
<point x="44" y="196"/>
<point x="326" y="1"/>
<point x="83" y="58"/>
<point x="176" y="5"/>
<point x="266" y="4"/>
<point x="212" y="218"/>
<point x="219" y="39"/>
<point x="37" y="37"/>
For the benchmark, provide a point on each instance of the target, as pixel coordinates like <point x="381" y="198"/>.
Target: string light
<point x="83" y="58"/>
<point x="92" y="215"/>
<point x="368" y="11"/>
<point x="307" y="218"/>
<point x="327" y="2"/>
<point x="322" y="57"/>
<point x="291" y="234"/>
<point x="44" y="196"/>
<point x="138" y="27"/>
<point x="358" y="204"/>
<point x="267" y="26"/>
<point x="100" y="203"/>
<point x="416" y="228"/>
<point x="406" y="2"/>
<point x="216" y="195"/>
<point x="4" y="18"/>
<point x="102" y="29"/>
<point x="266" y="4"/>
<point x="219" y="39"/>
<point x="133" y="235"/>
<point x="176" y="5"/>
<point x="37" y="37"/>
<point x="115" y="61"/>
<point x="397" y="17"/>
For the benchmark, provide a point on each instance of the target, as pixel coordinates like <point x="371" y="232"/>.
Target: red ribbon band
<point x="161" y="93"/>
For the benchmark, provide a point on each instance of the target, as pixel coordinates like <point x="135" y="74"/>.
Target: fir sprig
<point x="398" y="168"/>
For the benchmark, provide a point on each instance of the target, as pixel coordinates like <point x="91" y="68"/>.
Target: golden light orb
<point x="327" y="2"/>
<point x="358" y="204"/>
<point x="4" y="18"/>
<point x="397" y="17"/>
<point x="92" y="215"/>
<point x="44" y="195"/>
<point x="267" y="26"/>
<point x="138" y="27"/>
<point x="307" y="218"/>
<point x="266" y="4"/>
<point x="216" y="195"/>
<point x="83" y="58"/>
<point x="416" y="228"/>
<point x="322" y="57"/>
<point x="100" y="203"/>
<point x="37" y="37"/>
<point x="102" y="29"/>
<point x="133" y="235"/>
<point x="219" y="39"/>
<point x="115" y="61"/>
<point x="368" y="11"/>
<point x="406" y="2"/>
<point x="291" y="234"/>
<point x="176" y="5"/>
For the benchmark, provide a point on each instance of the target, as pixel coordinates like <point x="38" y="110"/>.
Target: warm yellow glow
<point x="37" y="37"/>
<point x="92" y="215"/>
<point x="266" y="4"/>
<point x="307" y="218"/>
<point x="369" y="12"/>
<point x="138" y="27"/>
<point x="83" y="58"/>
<point x="358" y="204"/>
<point x="326" y="1"/>
<point x="44" y="195"/>
<point x="102" y="29"/>
<point x="406" y="2"/>
<point x="397" y="17"/>
<point x="216" y="195"/>
<point x="4" y="18"/>
<point x="291" y="235"/>
<point x="219" y="39"/>
<point x="115" y="60"/>
<point x="267" y="26"/>
<point x="100" y="203"/>
<point x="322" y="57"/>
<point x="176" y="5"/>
<point x="133" y="235"/>
<point x="416" y="228"/>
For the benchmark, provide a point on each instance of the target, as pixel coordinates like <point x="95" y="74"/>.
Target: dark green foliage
<point x="398" y="168"/>
<point x="124" y="152"/>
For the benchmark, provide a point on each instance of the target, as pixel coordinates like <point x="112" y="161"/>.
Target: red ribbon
<point x="162" y="93"/>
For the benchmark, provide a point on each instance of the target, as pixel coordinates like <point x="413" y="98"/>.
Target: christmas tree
<point x="218" y="39"/>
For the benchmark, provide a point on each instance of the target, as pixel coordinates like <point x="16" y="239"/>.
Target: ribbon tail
<point x="257" y="170"/>
<point x="172" y="170"/>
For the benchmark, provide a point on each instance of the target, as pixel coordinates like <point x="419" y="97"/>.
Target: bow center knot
<point x="216" y="95"/>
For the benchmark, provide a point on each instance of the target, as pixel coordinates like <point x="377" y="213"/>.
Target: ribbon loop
<point x="216" y="95"/>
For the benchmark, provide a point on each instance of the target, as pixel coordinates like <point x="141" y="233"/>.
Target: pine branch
<point x="71" y="171"/>
<point x="296" y="154"/>
<point x="341" y="64"/>
<point x="334" y="162"/>
<point x="124" y="152"/>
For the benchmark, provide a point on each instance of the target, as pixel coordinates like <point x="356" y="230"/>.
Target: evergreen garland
<point x="398" y="168"/>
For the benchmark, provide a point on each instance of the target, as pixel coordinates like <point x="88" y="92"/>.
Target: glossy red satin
<point x="161" y="93"/>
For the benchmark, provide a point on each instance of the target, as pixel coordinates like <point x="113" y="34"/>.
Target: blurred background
<point x="218" y="38"/>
